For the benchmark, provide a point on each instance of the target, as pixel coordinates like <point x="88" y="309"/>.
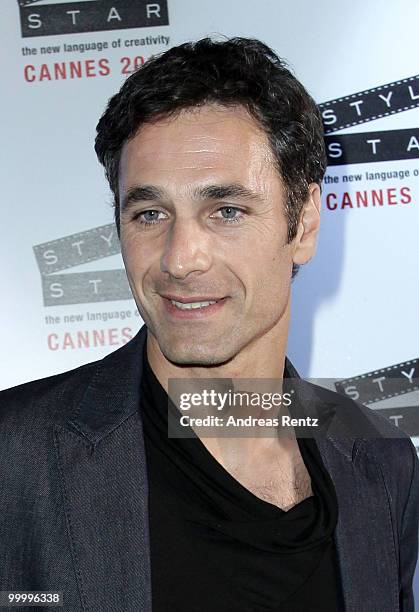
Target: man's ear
<point x="305" y="241"/>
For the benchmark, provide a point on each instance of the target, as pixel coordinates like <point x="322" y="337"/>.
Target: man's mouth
<point x="197" y="304"/>
<point x="192" y="305"/>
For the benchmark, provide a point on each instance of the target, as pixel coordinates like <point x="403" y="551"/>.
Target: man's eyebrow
<point x="221" y="192"/>
<point x="149" y="193"/>
<point x="141" y="193"/>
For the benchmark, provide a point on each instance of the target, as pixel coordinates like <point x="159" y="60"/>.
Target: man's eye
<point x="231" y="214"/>
<point x="148" y="217"/>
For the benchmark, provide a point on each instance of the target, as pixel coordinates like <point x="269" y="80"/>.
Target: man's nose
<point x="187" y="249"/>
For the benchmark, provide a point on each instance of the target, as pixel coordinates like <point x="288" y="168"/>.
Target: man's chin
<point x="195" y="356"/>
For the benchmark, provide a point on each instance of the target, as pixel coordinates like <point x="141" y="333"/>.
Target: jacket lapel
<point x="364" y="532"/>
<point x="103" y="472"/>
<point x="104" y="478"/>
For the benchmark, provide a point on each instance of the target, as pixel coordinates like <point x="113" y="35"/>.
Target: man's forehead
<point x="209" y="129"/>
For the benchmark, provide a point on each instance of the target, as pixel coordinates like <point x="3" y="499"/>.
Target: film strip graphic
<point x="371" y="104"/>
<point x="76" y="249"/>
<point x="81" y="287"/>
<point x="361" y="107"/>
<point x="384" y="384"/>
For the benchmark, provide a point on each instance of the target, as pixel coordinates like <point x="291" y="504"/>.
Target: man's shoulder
<point x="350" y="412"/>
<point x="374" y="435"/>
<point x="55" y="398"/>
<point x="45" y="397"/>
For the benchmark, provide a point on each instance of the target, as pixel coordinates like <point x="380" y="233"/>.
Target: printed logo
<point x="81" y="287"/>
<point x="364" y="106"/>
<point x="40" y="18"/>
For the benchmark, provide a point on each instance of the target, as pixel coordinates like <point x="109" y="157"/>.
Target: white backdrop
<point x="64" y="295"/>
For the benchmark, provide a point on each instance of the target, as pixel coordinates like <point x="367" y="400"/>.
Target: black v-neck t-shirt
<point x="215" y="546"/>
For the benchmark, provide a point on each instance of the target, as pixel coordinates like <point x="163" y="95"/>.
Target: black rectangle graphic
<point x="92" y="16"/>
<point x="85" y="287"/>
<point x="367" y="147"/>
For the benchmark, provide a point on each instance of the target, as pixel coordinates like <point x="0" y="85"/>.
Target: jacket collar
<point x="113" y="393"/>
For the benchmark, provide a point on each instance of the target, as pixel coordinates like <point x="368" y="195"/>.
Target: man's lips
<point x="190" y="299"/>
<point x="176" y="313"/>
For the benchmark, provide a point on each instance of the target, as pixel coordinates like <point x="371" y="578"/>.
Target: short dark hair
<point x="229" y="72"/>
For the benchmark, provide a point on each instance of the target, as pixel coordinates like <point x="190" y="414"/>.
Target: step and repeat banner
<point x="65" y="296"/>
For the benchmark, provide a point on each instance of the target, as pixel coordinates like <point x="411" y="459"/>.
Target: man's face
<point x="202" y="219"/>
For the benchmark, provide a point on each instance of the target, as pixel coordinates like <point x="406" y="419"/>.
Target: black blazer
<point x="74" y="493"/>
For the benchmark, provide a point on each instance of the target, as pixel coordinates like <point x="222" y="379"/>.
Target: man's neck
<point x="264" y="359"/>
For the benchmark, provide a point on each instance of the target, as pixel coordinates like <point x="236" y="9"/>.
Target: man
<point x="214" y="153"/>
